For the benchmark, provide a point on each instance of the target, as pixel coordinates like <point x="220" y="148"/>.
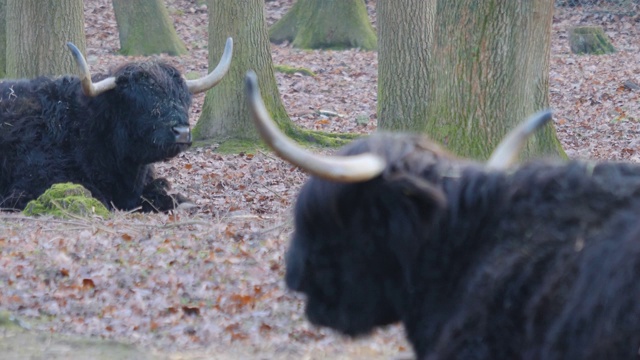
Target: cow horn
<point x="214" y="77"/>
<point x="88" y="87"/>
<point x="350" y="169"/>
<point x="507" y="151"/>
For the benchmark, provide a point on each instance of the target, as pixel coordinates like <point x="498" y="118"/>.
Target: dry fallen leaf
<point x="87" y="284"/>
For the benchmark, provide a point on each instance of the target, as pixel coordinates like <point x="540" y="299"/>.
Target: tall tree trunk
<point x="145" y="28"/>
<point x="3" y="38"/>
<point x="37" y="32"/>
<point x="225" y="114"/>
<point x="405" y="29"/>
<point x="490" y="71"/>
<point x="316" y="24"/>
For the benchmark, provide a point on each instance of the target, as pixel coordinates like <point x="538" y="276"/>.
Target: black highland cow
<point x="537" y="262"/>
<point x="104" y="135"/>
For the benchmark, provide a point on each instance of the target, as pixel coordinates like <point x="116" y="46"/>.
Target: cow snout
<point x="183" y="134"/>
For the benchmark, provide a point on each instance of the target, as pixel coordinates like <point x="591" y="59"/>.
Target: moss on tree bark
<point x="487" y="69"/>
<point x="492" y="73"/>
<point x="145" y="28"/>
<point x="589" y="40"/>
<point x="319" y="24"/>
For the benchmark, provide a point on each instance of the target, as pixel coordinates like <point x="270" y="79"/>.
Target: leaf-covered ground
<point x="207" y="282"/>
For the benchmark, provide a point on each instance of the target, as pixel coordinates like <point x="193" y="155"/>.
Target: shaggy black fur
<point x="540" y="263"/>
<point x="50" y="132"/>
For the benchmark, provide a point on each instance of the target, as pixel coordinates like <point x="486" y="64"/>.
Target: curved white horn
<point x="214" y="77"/>
<point x="349" y="169"/>
<point x="88" y="87"/>
<point x="507" y="151"/>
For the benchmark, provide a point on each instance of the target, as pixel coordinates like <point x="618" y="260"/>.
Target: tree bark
<point x="317" y="24"/>
<point x="3" y="38"/>
<point x="490" y="72"/>
<point x="405" y="29"/>
<point x="225" y="114"/>
<point x="145" y="28"/>
<point x="37" y="32"/>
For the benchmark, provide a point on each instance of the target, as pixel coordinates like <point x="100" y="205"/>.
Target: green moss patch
<point x="306" y="138"/>
<point x="64" y="200"/>
<point x="236" y="146"/>
<point x="6" y="320"/>
<point x="289" y="70"/>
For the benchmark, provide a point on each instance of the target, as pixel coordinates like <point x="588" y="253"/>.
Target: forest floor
<point x="207" y="283"/>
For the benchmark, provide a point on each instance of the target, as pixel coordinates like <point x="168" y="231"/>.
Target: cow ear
<point x="416" y="187"/>
<point x="122" y="80"/>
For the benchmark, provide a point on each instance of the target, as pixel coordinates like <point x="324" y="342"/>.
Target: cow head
<point x="350" y="239"/>
<point x="147" y="104"/>
<point x="359" y="218"/>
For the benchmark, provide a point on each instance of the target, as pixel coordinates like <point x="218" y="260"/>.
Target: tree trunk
<point x="3" y="38"/>
<point x="225" y="117"/>
<point x="145" y="28"/>
<point x="589" y="40"/>
<point x="317" y="24"/>
<point x="405" y="29"/>
<point x="37" y="32"/>
<point x="225" y="114"/>
<point x="490" y="71"/>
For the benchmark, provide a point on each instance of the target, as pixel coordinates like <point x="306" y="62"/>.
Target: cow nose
<point x="183" y="134"/>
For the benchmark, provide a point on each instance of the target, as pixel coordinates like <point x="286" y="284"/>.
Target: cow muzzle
<point x="183" y="134"/>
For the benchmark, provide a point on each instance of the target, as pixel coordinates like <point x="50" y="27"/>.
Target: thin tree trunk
<point x="145" y="28"/>
<point x="405" y="29"/>
<point x="37" y="33"/>
<point x="316" y="24"/>
<point x="490" y="71"/>
<point x="3" y="38"/>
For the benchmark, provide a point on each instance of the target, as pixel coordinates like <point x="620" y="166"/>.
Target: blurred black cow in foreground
<point x="541" y="261"/>
<point x="104" y="135"/>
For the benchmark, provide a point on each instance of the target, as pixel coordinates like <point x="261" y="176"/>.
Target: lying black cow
<point x="537" y="262"/>
<point x="104" y="135"/>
